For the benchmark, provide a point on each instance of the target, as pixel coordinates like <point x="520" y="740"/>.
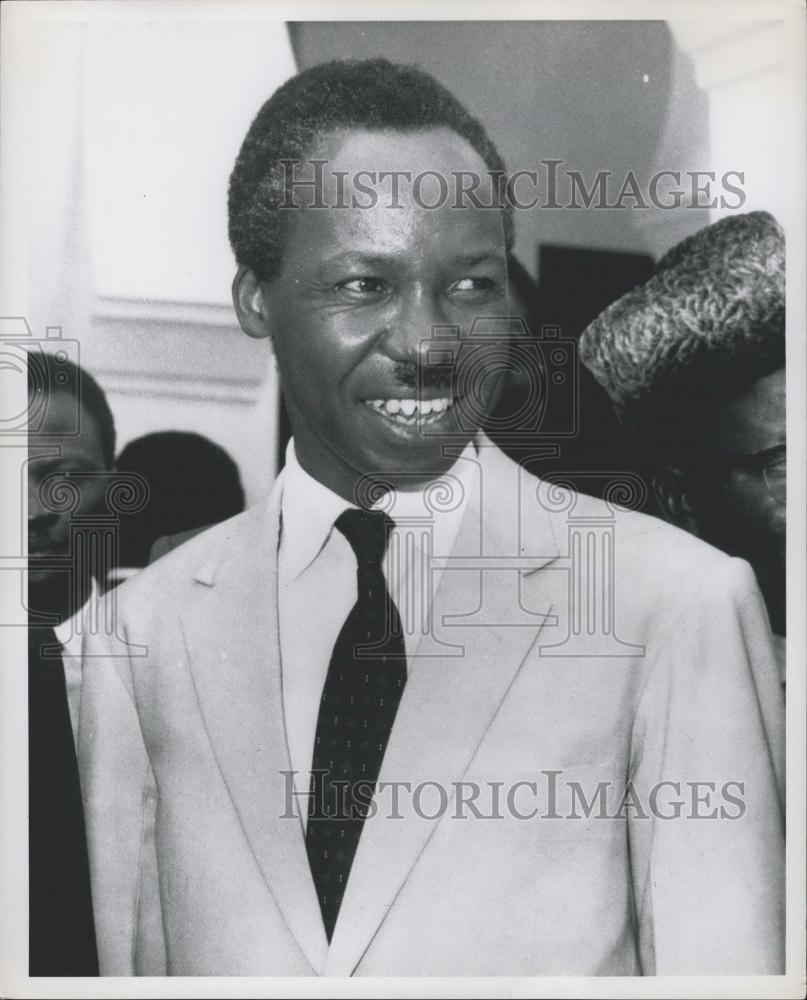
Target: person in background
<point x="192" y="484"/>
<point x="71" y="457"/>
<point x="694" y="361"/>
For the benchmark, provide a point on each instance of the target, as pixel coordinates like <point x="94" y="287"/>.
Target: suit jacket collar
<point x="462" y="671"/>
<point x="234" y="652"/>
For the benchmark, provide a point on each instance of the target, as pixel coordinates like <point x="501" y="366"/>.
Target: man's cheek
<point x="58" y="536"/>
<point x="746" y="501"/>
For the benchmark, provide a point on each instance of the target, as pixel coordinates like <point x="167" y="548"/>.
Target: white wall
<point x="754" y="109"/>
<point x="134" y="128"/>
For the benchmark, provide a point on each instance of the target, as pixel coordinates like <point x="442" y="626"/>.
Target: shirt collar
<point x="309" y="509"/>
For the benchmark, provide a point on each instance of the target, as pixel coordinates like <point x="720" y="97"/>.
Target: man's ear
<point x="673" y="495"/>
<point x="250" y="304"/>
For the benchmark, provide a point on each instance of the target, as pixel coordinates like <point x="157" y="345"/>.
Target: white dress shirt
<point x="70" y="634"/>
<point x="317" y="582"/>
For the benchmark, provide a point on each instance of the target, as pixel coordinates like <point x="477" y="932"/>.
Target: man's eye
<point x="473" y="285"/>
<point x="362" y="286"/>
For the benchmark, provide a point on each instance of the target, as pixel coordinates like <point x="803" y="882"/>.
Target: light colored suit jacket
<point x="573" y="643"/>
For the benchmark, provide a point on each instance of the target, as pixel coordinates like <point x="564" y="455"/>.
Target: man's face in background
<point x="360" y="291"/>
<point x="741" y="505"/>
<point x="65" y="481"/>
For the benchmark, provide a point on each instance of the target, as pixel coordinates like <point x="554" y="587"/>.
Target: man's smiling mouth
<point x="408" y="412"/>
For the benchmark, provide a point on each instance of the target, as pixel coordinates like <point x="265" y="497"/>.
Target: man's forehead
<point x="382" y="192"/>
<point x="439" y="149"/>
<point x="66" y="422"/>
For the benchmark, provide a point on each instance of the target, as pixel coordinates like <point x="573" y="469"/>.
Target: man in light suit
<point x="419" y="713"/>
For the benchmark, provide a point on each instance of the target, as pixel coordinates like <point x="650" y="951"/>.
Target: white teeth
<point x="406" y="408"/>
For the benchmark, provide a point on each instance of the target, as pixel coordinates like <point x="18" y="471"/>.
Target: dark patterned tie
<point x="60" y="919"/>
<point x="365" y="680"/>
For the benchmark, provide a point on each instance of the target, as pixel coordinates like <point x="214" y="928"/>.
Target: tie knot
<point x="368" y="532"/>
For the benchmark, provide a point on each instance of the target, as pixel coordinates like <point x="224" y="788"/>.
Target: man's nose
<point x="411" y="330"/>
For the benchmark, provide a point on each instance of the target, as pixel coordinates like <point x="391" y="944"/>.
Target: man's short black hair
<point x="372" y="94"/>
<point x="48" y="374"/>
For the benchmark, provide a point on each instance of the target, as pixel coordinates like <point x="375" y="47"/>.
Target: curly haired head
<point x="708" y="323"/>
<point x="372" y="94"/>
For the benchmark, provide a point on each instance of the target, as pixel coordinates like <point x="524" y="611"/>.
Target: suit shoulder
<point x="167" y="579"/>
<point x="167" y="543"/>
<point x="642" y="542"/>
<point x="660" y="572"/>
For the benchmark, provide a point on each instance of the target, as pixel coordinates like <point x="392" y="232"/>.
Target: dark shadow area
<point x="577" y="435"/>
<point x="192" y="482"/>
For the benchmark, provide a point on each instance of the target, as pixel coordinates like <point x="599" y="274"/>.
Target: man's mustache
<point x="412" y="375"/>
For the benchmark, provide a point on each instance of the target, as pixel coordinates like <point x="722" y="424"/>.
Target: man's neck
<point x="363" y="490"/>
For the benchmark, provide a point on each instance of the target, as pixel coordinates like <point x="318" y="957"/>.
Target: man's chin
<point x="370" y="455"/>
<point x="406" y="473"/>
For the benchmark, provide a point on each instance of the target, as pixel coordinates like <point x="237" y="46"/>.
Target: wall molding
<point x="173" y="313"/>
<point x="149" y="386"/>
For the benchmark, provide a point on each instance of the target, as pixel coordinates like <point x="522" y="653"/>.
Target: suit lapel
<point x="459" y="677"/>
<point x="232" y="638"/>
